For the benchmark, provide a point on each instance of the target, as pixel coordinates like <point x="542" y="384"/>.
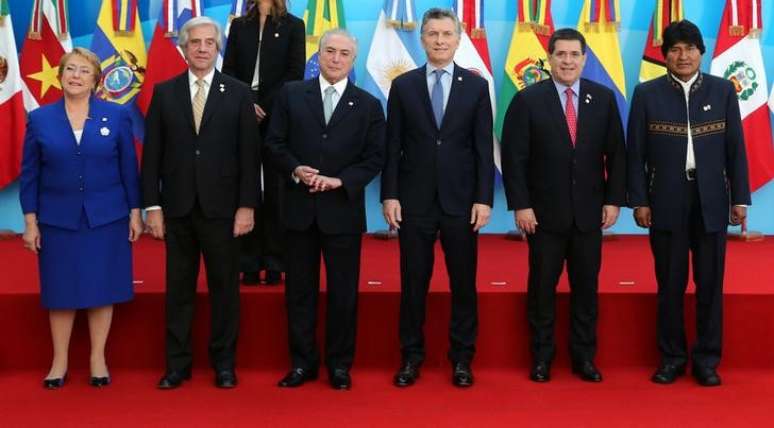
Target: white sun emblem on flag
<point x="393" y="70"/>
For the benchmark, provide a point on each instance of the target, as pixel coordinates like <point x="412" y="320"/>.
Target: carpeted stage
<point x="502" y="395"/>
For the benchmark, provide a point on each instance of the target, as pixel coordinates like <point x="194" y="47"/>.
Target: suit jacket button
<point x="325" y="136"/>
<point x="78" y="153"/>
<point x="198" y="152"/>
<point x="81" y="189"/>
<point x="438" y="142"/>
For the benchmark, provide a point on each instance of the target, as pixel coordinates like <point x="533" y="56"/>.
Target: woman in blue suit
<point x="80" y="198"/>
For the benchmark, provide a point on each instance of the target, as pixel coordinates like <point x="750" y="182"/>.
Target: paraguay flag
<point x="119" y="44"/>
<point x="599" y="21"/>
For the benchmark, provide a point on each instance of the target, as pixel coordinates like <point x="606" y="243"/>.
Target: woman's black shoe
<point x="99" y="381"/>
<point x="54" y="383"/>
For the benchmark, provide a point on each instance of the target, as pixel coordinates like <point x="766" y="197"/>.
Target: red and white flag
<point x="165" y="60"/>
<point x="47" y="40"/>
<point x="12" y="113"/>
<point x="473" y="52"/>
<point x="738" y="58"/>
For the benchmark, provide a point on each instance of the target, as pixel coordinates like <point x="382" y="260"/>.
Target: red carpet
<point x="502" y="396"/>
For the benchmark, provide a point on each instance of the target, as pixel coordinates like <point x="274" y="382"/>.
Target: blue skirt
<point x="85" y="268"/>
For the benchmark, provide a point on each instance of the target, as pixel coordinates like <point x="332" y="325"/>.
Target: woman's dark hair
<point x="682" y="31"/>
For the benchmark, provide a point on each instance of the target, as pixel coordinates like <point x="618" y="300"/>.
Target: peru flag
<point x="12" y="113"/>
<point x="738" y="58"/>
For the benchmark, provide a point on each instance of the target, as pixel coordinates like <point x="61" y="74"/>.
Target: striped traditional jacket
<point x="657" y="144"/>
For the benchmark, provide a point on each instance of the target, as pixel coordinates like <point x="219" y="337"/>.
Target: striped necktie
<point x="198" y="104"/>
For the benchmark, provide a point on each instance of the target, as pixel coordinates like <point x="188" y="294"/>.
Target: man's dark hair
<point x="682" y="31"/>
<point x="566" y="34"/>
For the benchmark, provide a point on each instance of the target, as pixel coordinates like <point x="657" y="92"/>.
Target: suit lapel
<point x="251" y="36"/>
<point x="65" y="122"/>
<point x="583" y="107"/>
<point x="554" y="105"/>
<point x="217" y="91"/>
<point x="421" y="87"/>
<point x="93" y="119"/>
<point x="314" y="100"/>
<point x="455" y="92"/>
<point x="347" y="102"/>
<point x="183" y="93"/>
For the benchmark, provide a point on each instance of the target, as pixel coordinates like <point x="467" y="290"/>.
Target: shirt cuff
<point x="153" y="208"/>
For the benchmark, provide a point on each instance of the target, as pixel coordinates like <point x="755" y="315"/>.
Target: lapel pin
<point x="459" y="78"/>
<point x="104" y="119"/>
<point x="587" y="101"/>
<point x="104" y="131"/>
<point x="707" y="107"/>
<point x="351" y="103"/>
<point x="276" y="35"/>
<point x="222" y="88"/>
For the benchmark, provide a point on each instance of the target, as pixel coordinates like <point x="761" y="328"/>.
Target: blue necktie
<point x="436" y="98"/>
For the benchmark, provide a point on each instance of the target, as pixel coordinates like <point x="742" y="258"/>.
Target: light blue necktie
<point x="328" y="103"/>
<point x="436" y="98"/>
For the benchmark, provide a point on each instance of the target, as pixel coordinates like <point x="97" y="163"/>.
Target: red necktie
<point x="569" y="114"/>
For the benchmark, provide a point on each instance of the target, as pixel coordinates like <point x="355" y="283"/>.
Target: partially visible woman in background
<point x="81" y="202"/>
<point x="266" y="48"/>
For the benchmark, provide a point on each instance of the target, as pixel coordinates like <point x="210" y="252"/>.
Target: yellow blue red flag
<point x="599" y="22"/>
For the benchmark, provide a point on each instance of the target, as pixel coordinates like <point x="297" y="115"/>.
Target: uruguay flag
<point x="598" y="22"/>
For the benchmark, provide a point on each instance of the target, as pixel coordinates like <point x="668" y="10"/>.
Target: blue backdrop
<point x="499" y="17"/>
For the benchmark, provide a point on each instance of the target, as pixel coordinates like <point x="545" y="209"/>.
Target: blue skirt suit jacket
<point x="82" y="194"/>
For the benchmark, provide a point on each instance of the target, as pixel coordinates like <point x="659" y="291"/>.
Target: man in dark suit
<point x="564" y="175"/>
<point x="438" y="177"/>
<point x="687" y="173"/>
<point x="327" y="139"/>
<point x="199" y="180"/>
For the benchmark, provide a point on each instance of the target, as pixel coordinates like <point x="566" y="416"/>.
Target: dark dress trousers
<point x="351" y="148"/>
<point x="438" y="173"/>
<point x="283" y="59"/>
<point x="199" y="181"/>
<point x="566" y="186"/>
<point x="688" y="216"/>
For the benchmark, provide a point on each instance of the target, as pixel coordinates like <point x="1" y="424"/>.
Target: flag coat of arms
<point x="667" y="11"/>
<point x="527" y="59"/>
<point x="165" y="60"/>
<point x="47" y="40"/>
<point x="738" y="58"/>
<point x="12" y="112"/>
<point x="599" y="21"/>
<point x="119" y="44"/>
<point x="473" y="52"/>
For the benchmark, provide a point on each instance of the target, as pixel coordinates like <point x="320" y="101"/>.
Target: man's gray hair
<point x="337" y="32"/>
<point x="441" y="13"/>
<point x="182" y="38"/>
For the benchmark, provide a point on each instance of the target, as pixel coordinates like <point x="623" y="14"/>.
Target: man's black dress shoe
<point x="587" y="371"/>
<point x="273" y="277"/>
<point x="406" y="375"/>
<point x="173" y="379"/>
<point x="55" y="383"/>
<point x="99" y="381"/>
<point x="541" y="372"/>
<point x="340" y="379"/>
<point x="251" y="278"/>
<point x="706" y="376"/>
<point x="225" y="379"/>
<point x="297" y="377"/>
<point x="462" y="375"/>
<point x="667" y="373"/>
